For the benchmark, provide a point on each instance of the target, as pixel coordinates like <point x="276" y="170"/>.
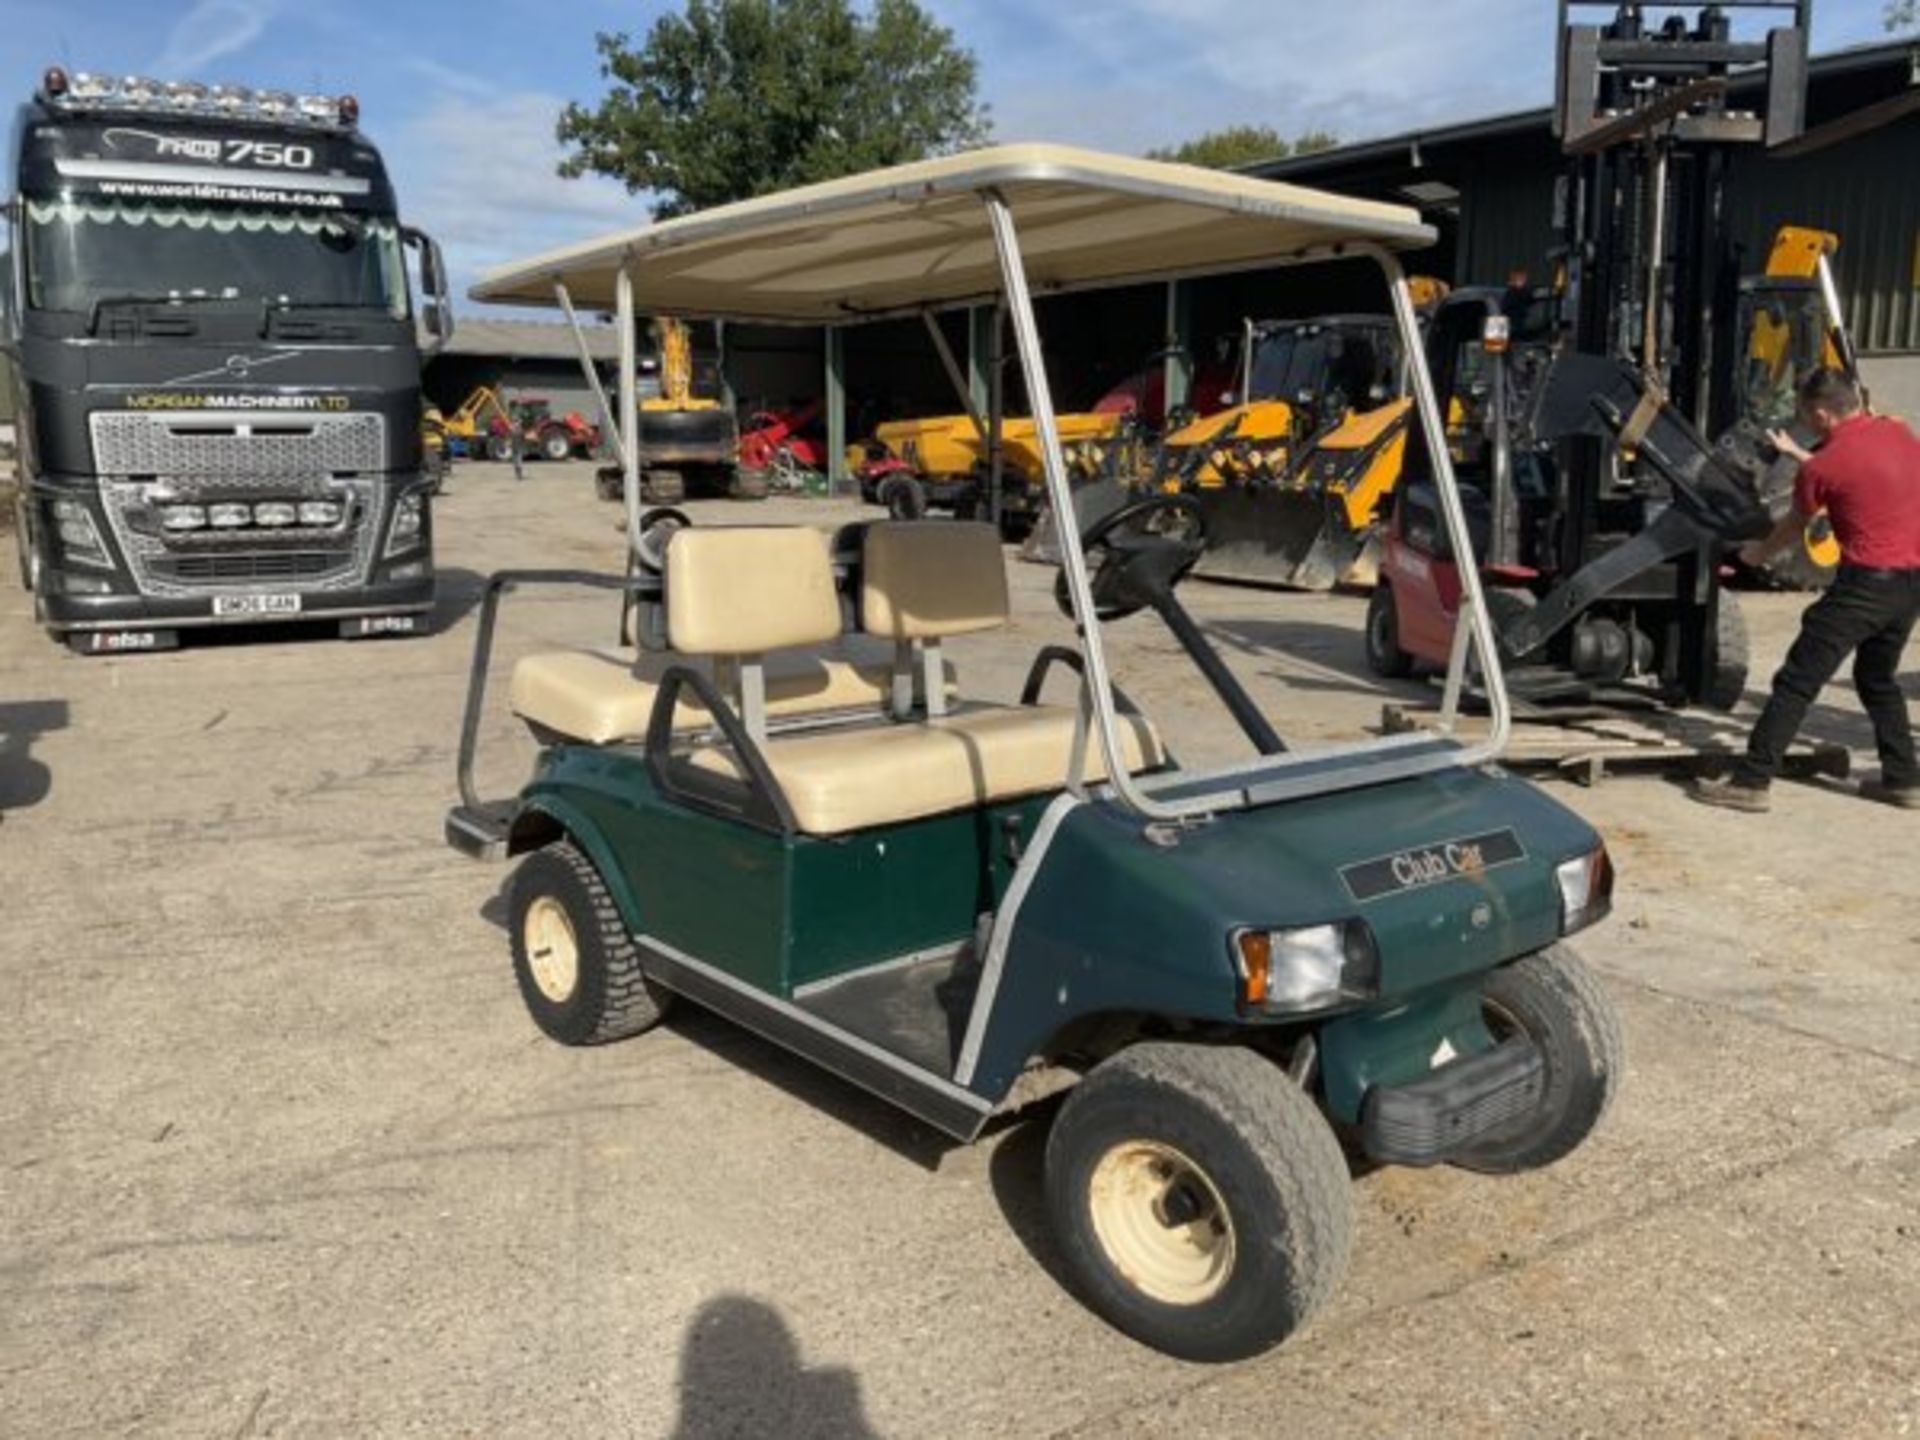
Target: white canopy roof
<point x="917" y="236"/>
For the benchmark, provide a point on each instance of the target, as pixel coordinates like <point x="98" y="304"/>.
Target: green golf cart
<point x="783" y="804"/>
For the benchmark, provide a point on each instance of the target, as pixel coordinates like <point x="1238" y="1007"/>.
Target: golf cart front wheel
<point x="1200" y="1202"/>
<point x="1556" y="1002"/>
<point x="578" y="968"/>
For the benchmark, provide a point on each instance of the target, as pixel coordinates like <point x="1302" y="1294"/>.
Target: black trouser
<point x="1868" y="614"/>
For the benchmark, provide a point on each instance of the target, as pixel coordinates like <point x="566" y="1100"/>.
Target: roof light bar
<point x="91" y="90"/>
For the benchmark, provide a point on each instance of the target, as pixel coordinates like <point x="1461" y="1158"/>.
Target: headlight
<point x="409" y="517"/>
<point x="274" y="513"/>
<point x="80" y="540"/>
<point x="1586" y="889"/>
<point x="183" y="517"/>
<point x="1306" y="968"/>
<point x="229" y="516"/>
<point x="319" y="512"/>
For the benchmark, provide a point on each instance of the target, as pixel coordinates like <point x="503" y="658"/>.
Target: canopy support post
<point x="609" y="425"/>
<point x="1473" y="613"/>
<point x="996" y="410"/>
<point x="1098" y="687"/>
<point x="955" y="376"/>
<point x="629" y="404"/>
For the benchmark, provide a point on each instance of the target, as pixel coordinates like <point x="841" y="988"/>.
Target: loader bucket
<point x="1293" y="538"/>
<point x="1090" y="502"/>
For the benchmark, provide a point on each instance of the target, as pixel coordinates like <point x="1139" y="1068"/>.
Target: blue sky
<point x="462" y="96"/>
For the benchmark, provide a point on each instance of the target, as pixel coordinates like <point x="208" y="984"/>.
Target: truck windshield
<point x="80" y="254"/>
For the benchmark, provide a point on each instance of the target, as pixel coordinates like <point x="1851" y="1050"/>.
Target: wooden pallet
<point x="1583" y="745"/>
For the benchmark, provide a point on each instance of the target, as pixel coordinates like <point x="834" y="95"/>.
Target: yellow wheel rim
<point x="1161" y="1222"/>
<point x="553" y="954"/>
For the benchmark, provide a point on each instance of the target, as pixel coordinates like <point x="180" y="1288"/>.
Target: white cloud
<point x="1130" y="74"/>
<point x="211" y="30"/>
<point x="477" y="173"/>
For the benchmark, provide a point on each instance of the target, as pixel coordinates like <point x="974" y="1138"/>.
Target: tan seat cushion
<point x="744" y="590"/>
<point x="595" y="695"/>
<point x="849" y="779"/>
<point x="924" y="579"/>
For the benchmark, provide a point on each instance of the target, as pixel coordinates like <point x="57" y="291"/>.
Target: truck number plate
<point x="241" y="605"/>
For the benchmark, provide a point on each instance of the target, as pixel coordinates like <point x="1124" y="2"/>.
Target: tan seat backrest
<point x="743" y="590"/>
<point x="924" y="579"/>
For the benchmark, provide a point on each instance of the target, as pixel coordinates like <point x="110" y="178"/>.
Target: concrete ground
<point x="281" y="1153"/>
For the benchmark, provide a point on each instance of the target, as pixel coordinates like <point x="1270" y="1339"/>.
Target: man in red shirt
<point x="1866" y="476"/>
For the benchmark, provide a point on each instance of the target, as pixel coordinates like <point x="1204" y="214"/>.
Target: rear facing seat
<point x="922" y="581"/>
<point x="603" y="696"/>
<point x="600" y="697"/>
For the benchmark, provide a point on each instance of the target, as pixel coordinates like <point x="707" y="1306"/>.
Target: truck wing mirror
<point x="436" y="309"/>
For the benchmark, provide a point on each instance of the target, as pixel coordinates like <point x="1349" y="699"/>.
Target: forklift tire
<point x="1384" y="655"/>
<point x="1727" y="675"/>
<point x="1199" y="1199"/>
<point x="578" y="968"/>
<point x="1553" y="999"/>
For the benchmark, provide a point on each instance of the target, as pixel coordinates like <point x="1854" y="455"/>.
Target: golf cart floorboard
<point x="915" y="1008"/>
<point x="1584" y="743"/>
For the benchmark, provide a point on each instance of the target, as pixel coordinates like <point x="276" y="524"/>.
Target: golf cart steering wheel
<point x="1137" y="554"/>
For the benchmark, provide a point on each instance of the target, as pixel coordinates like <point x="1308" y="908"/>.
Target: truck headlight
<point x="80" y="540"/>
<point x="409" y="518"/>
<point x="1308" y="967"/>
<point x="1586" y="889"/>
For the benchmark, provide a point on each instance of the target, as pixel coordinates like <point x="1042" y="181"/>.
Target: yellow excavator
<point x="1295" y="475"/>
<point x="1790" y="323"/>
<point x="689" y="443"/>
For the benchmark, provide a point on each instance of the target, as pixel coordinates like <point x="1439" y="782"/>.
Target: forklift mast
<point x="1646" y="117"/>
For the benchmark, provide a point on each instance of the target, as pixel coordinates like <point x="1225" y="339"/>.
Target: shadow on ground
<point x="24" y="780"/>
<point x="741" y="1374"/>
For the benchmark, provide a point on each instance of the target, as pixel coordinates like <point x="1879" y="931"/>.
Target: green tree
<point x="1239" y="145"/>
<point x="736" y="98"/>
<point x="1902" y="14"/>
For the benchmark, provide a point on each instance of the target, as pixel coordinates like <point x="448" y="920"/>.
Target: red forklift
<point x="1601" y="515"/>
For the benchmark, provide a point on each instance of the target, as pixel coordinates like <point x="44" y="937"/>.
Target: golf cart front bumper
<point x="1430" y="1120"/>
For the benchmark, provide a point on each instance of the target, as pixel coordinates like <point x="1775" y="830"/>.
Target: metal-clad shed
<point x="1489" y="186"/>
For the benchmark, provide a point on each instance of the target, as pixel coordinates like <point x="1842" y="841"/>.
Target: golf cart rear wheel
<point x="1553" y="999"/>
<point x="1200" y="1202"/>
<point x="578" y="969"/>
<point x="1384" y="655"/>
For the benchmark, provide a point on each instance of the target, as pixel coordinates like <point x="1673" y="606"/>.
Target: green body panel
<point x="880" y="893"/>
<point x="1117" y="922"/>
<point x="776" y="911"/>
<point x="1392" y="1044"/>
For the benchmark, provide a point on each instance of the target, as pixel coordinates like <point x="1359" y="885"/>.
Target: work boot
<point x="1728" y="793"/>
<point x="1907" y="797"/>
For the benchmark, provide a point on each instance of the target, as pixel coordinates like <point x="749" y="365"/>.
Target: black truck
<point x="216" y="364"/>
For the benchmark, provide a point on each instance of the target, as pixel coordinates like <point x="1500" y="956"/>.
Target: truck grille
<point x="244" y="569"/>
<point x="248" y="446"/>
<point x="150" y="462"/>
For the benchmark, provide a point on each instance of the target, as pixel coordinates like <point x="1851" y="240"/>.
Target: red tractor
<point x="785" y="443"/>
